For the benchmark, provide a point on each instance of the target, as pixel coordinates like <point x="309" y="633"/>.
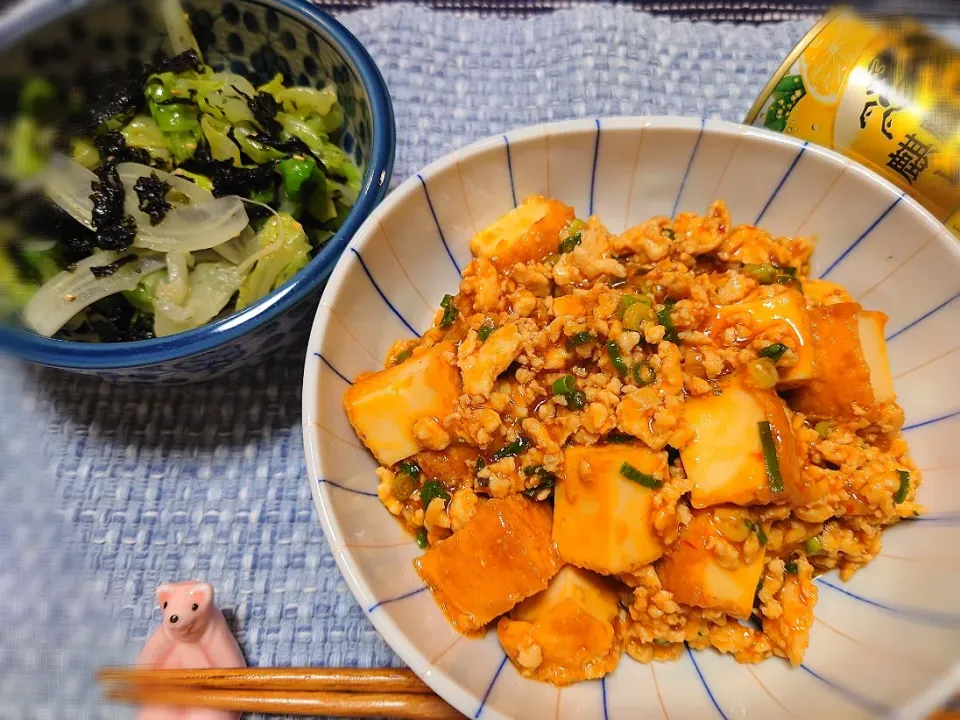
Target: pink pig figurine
<point x="193" y="634"/>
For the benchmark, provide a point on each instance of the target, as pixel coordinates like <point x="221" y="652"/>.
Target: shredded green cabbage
<point x="217" y="134"/>
<point x="87" y="155"/>
<point x="272" y="270"/>
<point x="16" y="290"/>
<point x="25" y="159"/>
<point x="144" y="133"/>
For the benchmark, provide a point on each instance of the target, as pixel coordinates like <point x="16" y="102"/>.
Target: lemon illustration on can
<point x="803" y="102"/>
<point x="827" y="61"/>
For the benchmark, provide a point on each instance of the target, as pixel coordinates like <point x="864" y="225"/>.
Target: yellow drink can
<point x="884" y="92"/>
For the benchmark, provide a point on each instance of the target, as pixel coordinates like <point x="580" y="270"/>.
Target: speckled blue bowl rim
<point x="91" y="356"/>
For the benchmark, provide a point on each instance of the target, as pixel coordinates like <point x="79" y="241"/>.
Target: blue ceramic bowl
<point x="255" y="38"/>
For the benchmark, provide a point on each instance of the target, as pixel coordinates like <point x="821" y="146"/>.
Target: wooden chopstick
<point x="374" y="680"/>
<point x="343" y="704"/>
<point x="347" y="692"/>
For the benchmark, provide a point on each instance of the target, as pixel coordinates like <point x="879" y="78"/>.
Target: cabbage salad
<point x="147" y="202"/>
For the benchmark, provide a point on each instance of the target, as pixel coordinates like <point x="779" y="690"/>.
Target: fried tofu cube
<point x="602" y="520"/>
<point x="824" y="292"/>
<point x="567" y="633"/>
<point x="787" y="308"/>
<point x="853" y="372"/>
<point x="383" y="407"/>
<point x="503" y="555"/>
<point x="530" y="231"/>
<point x="725" y="461"/>
<point x="873" y="345"/>
<point x="692" y="573"/>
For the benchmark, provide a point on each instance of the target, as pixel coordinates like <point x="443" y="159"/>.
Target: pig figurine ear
<point x="164" y="593"/>
<point x="202" y="593"/>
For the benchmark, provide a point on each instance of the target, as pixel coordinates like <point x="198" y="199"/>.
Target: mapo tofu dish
<point x="623" y="443"/>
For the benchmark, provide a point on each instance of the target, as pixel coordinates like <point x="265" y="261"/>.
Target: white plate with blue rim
<point x="886" y="643"/>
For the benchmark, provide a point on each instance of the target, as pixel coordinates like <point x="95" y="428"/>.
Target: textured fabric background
<point x="107" y="491"/>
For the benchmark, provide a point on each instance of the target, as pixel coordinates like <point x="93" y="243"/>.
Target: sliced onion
<point x="178" y="28"/>
<point x="67" y="293"/>
<point x="131" y="172"/>
<point x="203" y="224"/>
<point x="211" y="287"/>
<point x="259" y="252"/>
<point x="39" y="245"/>
<point x="68" y="184"/>
<point x="172" y="292"/>
<point x="239" y="248"/>
<point x="193" y="227"/>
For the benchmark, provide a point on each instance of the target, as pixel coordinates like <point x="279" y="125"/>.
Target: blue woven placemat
<point x="107" y="491"/>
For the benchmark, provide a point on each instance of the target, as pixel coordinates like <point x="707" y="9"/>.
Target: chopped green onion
<point x="812" y="546"/>
<point x="643" y="374"/>
<point x="789" y="281"/>
<point x="481" y="464"/>
<point x="774" y="352"/>
<point x="658" y="641"/>
<point x="576" y="400"/>
<point x="619" y="438"/>
<point x="823" y="428"/>
<point x="770" y="456"/>
<point x="764" y="273"/>
<point x="532" y="470"/>
<point x="422" y="538"/>
<point x="758" y="529"/>
<point x="581" y="338"/>
<point x="641" y="478"/>
<point x="668" y="232"/>
<point x="511" y="449"/>
<point x="431" y="490"/>
<point x="571" y="235"/>
<point x="564" y="385"/>
<point x="484" y="332"/>
<point x="763" y="373"/>
<point x="450" y="311"/>
<point x="901" y="494"/>
<point x="789" y="270"/>
<point x="569" y="243"/>
<point x="409" y="467"/>
<point x="628" y="301"/>
<point x="402" y="355"/>
<point x="548" y="480"/>
<point x="639" y="313"/>
<point x="791" y="567"/>
<point x="613" y="352"/>
<point x="664" y="318"/>
<point x="403" y="485"/>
